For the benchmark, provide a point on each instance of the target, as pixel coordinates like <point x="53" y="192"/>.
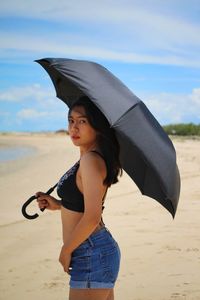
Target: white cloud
<point x="195" y="98"/>
<point x="175" y="108"/>
<point x="33" y="44"/>
<point x="33" y="95"/>
<point x="20" y="94"/>
<point x="128" y="31"/>
<point x="28" y="114"/>
<point x="40" y="119"/>
<point x="31" y="105"/>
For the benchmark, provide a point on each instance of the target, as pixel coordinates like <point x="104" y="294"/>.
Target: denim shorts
<point x="95" y="263"/>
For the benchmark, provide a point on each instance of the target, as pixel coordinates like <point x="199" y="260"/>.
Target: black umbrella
<point x="146" y="152"/>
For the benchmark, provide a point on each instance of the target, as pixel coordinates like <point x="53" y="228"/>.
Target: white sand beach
<point x="160" y="256"/>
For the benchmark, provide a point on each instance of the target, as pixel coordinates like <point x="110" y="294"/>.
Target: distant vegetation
<point x="183" y="129"/>
<point x="62" y="131"/>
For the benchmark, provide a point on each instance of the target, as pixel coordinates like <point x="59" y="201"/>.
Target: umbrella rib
<point x="126" y="112"/>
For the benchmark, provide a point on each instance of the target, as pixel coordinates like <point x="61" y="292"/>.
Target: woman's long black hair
<point x="106" y="139"/>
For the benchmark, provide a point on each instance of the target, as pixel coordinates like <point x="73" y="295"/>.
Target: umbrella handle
<point x="24" y="213"/>
<point x="24" y="207"/>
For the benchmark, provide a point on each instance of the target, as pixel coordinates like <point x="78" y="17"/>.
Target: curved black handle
<point x="24" y="207"/>
<point x="24" y="213"/>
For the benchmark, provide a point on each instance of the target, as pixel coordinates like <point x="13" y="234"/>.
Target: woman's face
<point x="80" y="130"/>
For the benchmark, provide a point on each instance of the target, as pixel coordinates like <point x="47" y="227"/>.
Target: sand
<point x="160" y="256"/>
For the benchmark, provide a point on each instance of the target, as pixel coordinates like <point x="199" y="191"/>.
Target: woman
<point x="89" y="254"/>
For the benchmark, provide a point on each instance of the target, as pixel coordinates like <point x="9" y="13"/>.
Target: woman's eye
<point x="82" y="121"/>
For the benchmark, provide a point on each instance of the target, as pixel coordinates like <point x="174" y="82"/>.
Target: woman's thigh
<point x="91" y="294"/>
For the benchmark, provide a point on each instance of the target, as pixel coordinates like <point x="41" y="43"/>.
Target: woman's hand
<point x="65" y="259"/>
<point x="47" y="201"/>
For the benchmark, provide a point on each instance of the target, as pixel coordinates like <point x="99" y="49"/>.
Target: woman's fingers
<point x="47" y="201"/>
<point x="42" y="203"/>
<point x="41" y="199"/>
<point x="39" y="194"/>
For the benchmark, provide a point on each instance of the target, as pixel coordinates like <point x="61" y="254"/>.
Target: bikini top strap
<point x="98" y="154"/>
<point x="104" y="160"/>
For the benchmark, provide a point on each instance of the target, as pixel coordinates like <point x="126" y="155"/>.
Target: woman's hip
<point x="96" y="260"/>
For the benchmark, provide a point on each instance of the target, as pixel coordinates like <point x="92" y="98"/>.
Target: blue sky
<point x="153" y="46"/>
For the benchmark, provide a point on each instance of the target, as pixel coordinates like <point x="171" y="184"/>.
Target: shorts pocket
<point x="110" y="261"/>
<point x="80" y="262"/>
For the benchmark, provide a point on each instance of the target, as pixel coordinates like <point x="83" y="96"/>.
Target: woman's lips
<point x="74" y="137"/>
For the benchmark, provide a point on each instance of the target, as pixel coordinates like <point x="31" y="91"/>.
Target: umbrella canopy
<point x="146" y="152"/>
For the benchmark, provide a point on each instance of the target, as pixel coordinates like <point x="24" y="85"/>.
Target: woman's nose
<point x="75" y="126"/>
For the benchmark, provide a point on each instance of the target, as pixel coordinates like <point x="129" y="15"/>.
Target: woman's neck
<point x="88" y="149"/>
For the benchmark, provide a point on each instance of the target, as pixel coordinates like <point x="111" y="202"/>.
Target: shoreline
<point x="20" y="178"/>
<point x="10" y="152"/>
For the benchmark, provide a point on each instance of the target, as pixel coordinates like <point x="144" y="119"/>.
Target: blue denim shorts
<point x="95" y="263"/>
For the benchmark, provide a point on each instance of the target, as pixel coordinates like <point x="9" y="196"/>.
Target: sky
<point x="153" y="46"/>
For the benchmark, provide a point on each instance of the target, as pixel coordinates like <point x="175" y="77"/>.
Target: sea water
<point x="15" y="152"/>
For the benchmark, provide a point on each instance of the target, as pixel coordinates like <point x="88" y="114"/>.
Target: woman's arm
<point x="93" y="172"/>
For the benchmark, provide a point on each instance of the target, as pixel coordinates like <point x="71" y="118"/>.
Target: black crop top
<point x="67" y="190"/>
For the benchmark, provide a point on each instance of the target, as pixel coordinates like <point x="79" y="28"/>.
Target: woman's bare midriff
<point x="69" y="221"/>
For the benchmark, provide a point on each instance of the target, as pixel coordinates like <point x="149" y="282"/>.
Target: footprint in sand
<point x="172" y="248"/>
<point x="52" y="285"/>
<point x="192" y="249"/>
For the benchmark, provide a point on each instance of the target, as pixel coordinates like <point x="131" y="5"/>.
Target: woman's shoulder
<point x="93" y="159"/>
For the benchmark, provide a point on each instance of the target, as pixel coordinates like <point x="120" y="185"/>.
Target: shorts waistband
<point x="96" y="236"/>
